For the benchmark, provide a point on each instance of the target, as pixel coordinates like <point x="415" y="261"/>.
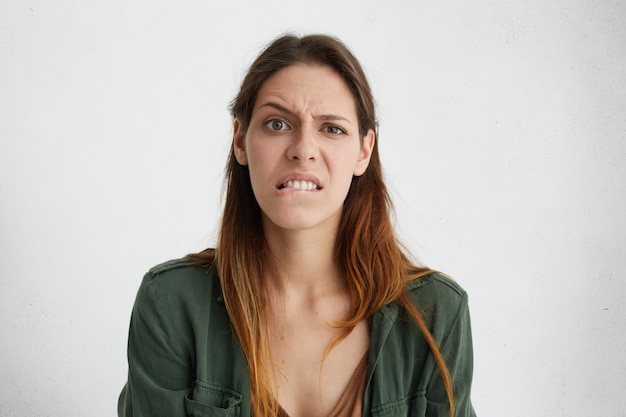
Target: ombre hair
<point x="367" y="251"/>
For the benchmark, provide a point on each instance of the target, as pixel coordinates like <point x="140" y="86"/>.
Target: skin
<point x="304" y="126"/>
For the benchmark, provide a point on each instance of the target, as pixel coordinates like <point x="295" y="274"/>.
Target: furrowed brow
<point x="277" y="107"/>
<point x="326" y="117"/>
<point x="332" y="117"/>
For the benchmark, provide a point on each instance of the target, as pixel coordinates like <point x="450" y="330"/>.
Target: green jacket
<point x="184" y="359"/>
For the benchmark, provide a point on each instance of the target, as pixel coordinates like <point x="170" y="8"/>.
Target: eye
<point x="334" y="130"/>
<point x="276" y="125"/>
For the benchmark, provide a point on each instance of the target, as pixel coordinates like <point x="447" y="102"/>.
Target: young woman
<point x="308" y="306"/>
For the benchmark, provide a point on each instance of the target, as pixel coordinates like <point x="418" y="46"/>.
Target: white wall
<point x="503" y="130"/>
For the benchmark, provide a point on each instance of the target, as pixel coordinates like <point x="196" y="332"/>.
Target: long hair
<point x="367" y="252"/>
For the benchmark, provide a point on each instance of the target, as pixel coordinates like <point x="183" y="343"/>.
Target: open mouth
<point x="299" y="185"/>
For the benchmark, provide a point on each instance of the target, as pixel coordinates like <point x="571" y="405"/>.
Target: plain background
<point x="503" y="134"/>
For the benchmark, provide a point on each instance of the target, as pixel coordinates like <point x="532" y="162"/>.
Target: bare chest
<point x="310" y="379"/>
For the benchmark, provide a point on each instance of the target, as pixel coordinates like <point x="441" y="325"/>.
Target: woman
<point x="307" y="306"/>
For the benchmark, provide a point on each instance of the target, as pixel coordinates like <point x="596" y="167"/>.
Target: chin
<point x="301" y="222"/>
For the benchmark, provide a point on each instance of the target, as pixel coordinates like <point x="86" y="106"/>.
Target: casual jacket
<point x="184" y="359"/>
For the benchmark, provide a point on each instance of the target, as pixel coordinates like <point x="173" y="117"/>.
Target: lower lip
<point x="288" y="190"/>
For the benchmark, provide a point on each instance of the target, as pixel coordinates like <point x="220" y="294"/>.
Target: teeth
<point x="300" y="185"/>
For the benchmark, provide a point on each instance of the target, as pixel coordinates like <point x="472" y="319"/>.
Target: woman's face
<point x="302" y="147"/>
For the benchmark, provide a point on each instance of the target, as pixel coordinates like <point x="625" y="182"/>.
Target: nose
<point x="304" y="146"/>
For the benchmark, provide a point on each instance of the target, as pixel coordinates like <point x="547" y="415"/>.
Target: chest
<point x="310" y="378"/>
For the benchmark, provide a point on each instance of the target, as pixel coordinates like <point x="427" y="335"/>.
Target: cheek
<point x="258" y="162"/>
<point x="261" y="162"/>
<point x="343" y="173"/>
<point x="346" y="162"/>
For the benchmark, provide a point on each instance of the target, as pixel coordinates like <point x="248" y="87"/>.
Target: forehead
<point x="308" y="86"/>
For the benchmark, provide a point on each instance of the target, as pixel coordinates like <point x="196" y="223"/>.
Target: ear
<point x="367" y="146"/>
<point x="239" y="143"/>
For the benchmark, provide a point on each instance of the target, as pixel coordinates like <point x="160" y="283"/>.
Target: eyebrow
<point x="284" y="109"/>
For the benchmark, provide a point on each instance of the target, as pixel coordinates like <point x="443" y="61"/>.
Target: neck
<point x="305" y="261"/>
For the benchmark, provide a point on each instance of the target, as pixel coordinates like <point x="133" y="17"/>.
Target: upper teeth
<point x="300" y="185"/>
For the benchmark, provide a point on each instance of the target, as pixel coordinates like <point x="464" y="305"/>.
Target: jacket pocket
<point x="211" y="400"/>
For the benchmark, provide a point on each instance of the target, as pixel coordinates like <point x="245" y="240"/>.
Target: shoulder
<point x="177" y="297"/>
<point x="180" y="281"/>
<point x="436" y="285"/>
<point x="182" y="268"/>
<point x="438" y="297"/>
<point x="180" y="272"/>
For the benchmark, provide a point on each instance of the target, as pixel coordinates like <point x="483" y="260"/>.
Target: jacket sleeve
<point x="456" y="347"/>
<point x="160" y="373"/>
